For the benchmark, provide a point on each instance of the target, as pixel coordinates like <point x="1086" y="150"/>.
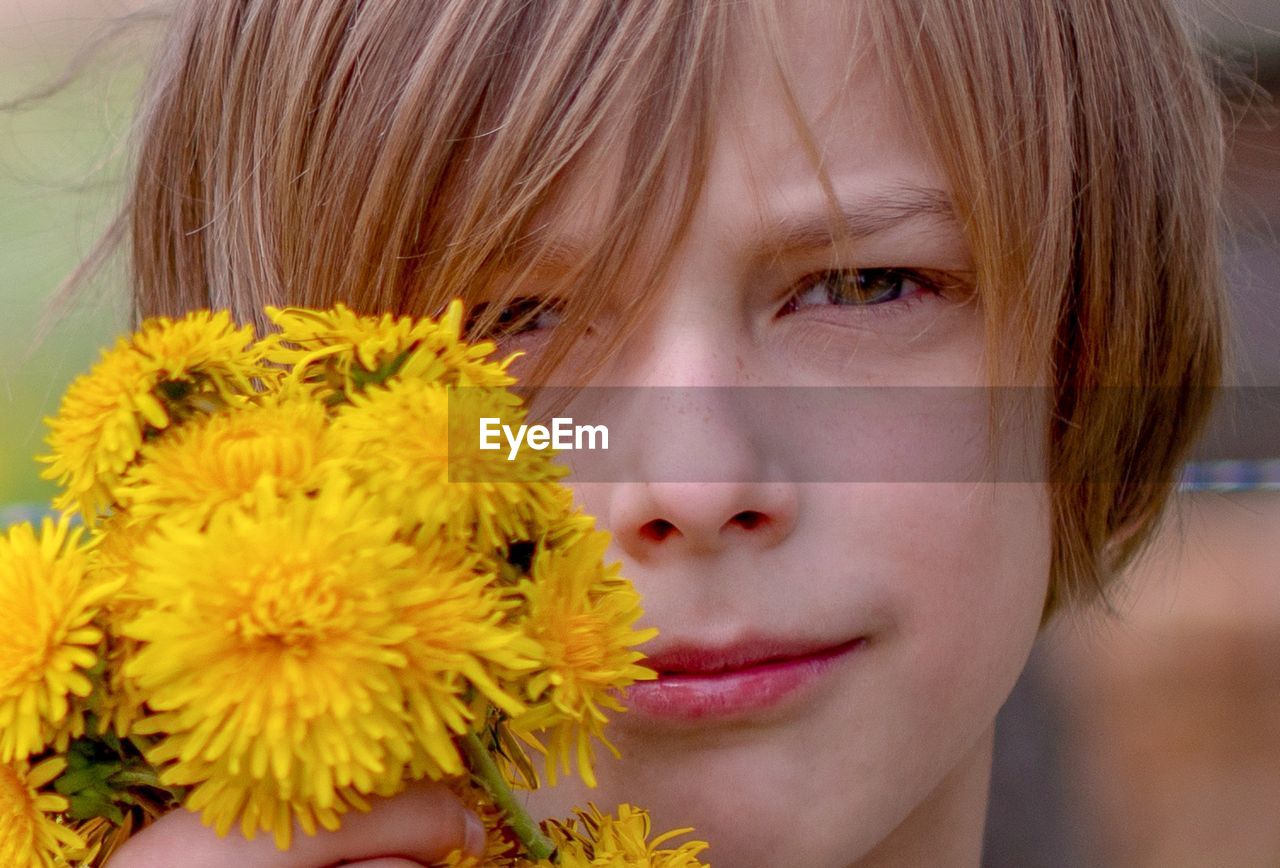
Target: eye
<point x="861" y="287"/>
<point x="522" y="315"/>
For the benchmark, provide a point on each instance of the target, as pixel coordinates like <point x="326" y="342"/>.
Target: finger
<point x="424" y="823"/>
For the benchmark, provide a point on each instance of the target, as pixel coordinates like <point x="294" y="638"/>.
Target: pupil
<point x="868" y="286"/>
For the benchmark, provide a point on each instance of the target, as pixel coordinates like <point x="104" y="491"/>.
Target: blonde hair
<point x="394" y="155"/>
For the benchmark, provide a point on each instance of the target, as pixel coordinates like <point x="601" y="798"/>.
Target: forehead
<point x="858" y="122"/>
<point x="862" y="132"/>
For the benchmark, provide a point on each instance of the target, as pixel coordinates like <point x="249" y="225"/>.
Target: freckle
<point x="741" y="364"/>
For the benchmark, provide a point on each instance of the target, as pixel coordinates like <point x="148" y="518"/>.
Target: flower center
<point x="584" y="646"/>
<point x="294" y="611"/>
<point x="244" y="456"/>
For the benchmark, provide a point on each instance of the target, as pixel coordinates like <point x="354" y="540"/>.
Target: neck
<point x="946" y="829"/>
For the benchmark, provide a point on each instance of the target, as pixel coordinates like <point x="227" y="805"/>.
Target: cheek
<point x="958" y="527"/>
<point x="958" y="574"/>
<point x="974" y="564"/>
<point x="964" y="574"/>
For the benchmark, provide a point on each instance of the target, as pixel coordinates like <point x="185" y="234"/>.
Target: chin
<point x="750" y="795"/>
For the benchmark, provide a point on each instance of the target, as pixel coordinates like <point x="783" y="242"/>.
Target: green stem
<point x="536" y="844"/>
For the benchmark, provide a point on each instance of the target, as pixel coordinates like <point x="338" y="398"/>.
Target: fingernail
<point x="475" y="836"/>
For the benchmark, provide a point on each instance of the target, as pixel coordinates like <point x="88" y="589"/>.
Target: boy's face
<point x="865" y="747"/>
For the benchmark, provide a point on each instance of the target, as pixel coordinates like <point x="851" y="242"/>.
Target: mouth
<point x="700" y="683"/>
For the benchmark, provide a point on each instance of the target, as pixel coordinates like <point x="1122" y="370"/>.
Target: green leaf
<point x="93" y="777"/>
<point x="86" y="806"/>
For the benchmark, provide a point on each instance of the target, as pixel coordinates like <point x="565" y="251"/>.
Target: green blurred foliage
<point x="61" y="161"/>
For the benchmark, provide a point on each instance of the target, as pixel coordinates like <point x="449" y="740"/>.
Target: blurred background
<point x="1150" y="736"/>
<point x="1147" y="736"/>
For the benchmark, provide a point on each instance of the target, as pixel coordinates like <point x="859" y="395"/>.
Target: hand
<point x="421" y="825"/>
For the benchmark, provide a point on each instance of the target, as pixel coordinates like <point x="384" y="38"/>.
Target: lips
<point x="697" y="683"/>
<point x="695" y="660"/>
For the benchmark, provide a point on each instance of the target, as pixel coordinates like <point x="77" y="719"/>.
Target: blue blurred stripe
<point x="1232" y="476"/>
<point x="16" y="513"/>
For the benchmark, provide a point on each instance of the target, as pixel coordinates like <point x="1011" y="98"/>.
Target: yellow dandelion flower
<point x="204" y="348"/>
<point x="276" y="651"/>
<point x="117" y="701"/>
<point x="269" y="656"/>
<point x="48" y="640"/>
<point x="164" y="372"/>
<point x="220" y="460"/>
<point x="102" y="837"/>
<point x="581" y="613"/>
<point x="459" y="638"/>
<point x="340" y="352"/>
<point x="30" y="836"/>
<point x="595" y="840"/>
<point x="400" y="438"/>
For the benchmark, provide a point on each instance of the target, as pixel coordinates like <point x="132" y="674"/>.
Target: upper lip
<point x="688" y="658"/>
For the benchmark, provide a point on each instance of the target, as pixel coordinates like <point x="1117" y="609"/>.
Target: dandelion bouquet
<point x="275" y="592"/>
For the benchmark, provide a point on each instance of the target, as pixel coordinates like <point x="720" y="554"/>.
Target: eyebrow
<point x="856" y="218"/>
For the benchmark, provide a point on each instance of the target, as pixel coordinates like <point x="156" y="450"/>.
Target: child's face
<point x="814" y="764"/>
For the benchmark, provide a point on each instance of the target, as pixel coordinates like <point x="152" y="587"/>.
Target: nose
<point x="654" y="520"/>
<point x="693" y="475"/>
<point x="697" y="477"/>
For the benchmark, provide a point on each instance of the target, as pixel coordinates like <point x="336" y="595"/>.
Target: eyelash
<point x="522" y="314"/>
<point x="519" y="317"/>
<point x="931" y="284"/>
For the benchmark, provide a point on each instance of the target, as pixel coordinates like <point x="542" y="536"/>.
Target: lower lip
<point x="732" y="692"/>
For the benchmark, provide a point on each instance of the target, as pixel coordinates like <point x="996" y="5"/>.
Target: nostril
<point x="748" y="519"/>
<point x="656" y="530"/>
